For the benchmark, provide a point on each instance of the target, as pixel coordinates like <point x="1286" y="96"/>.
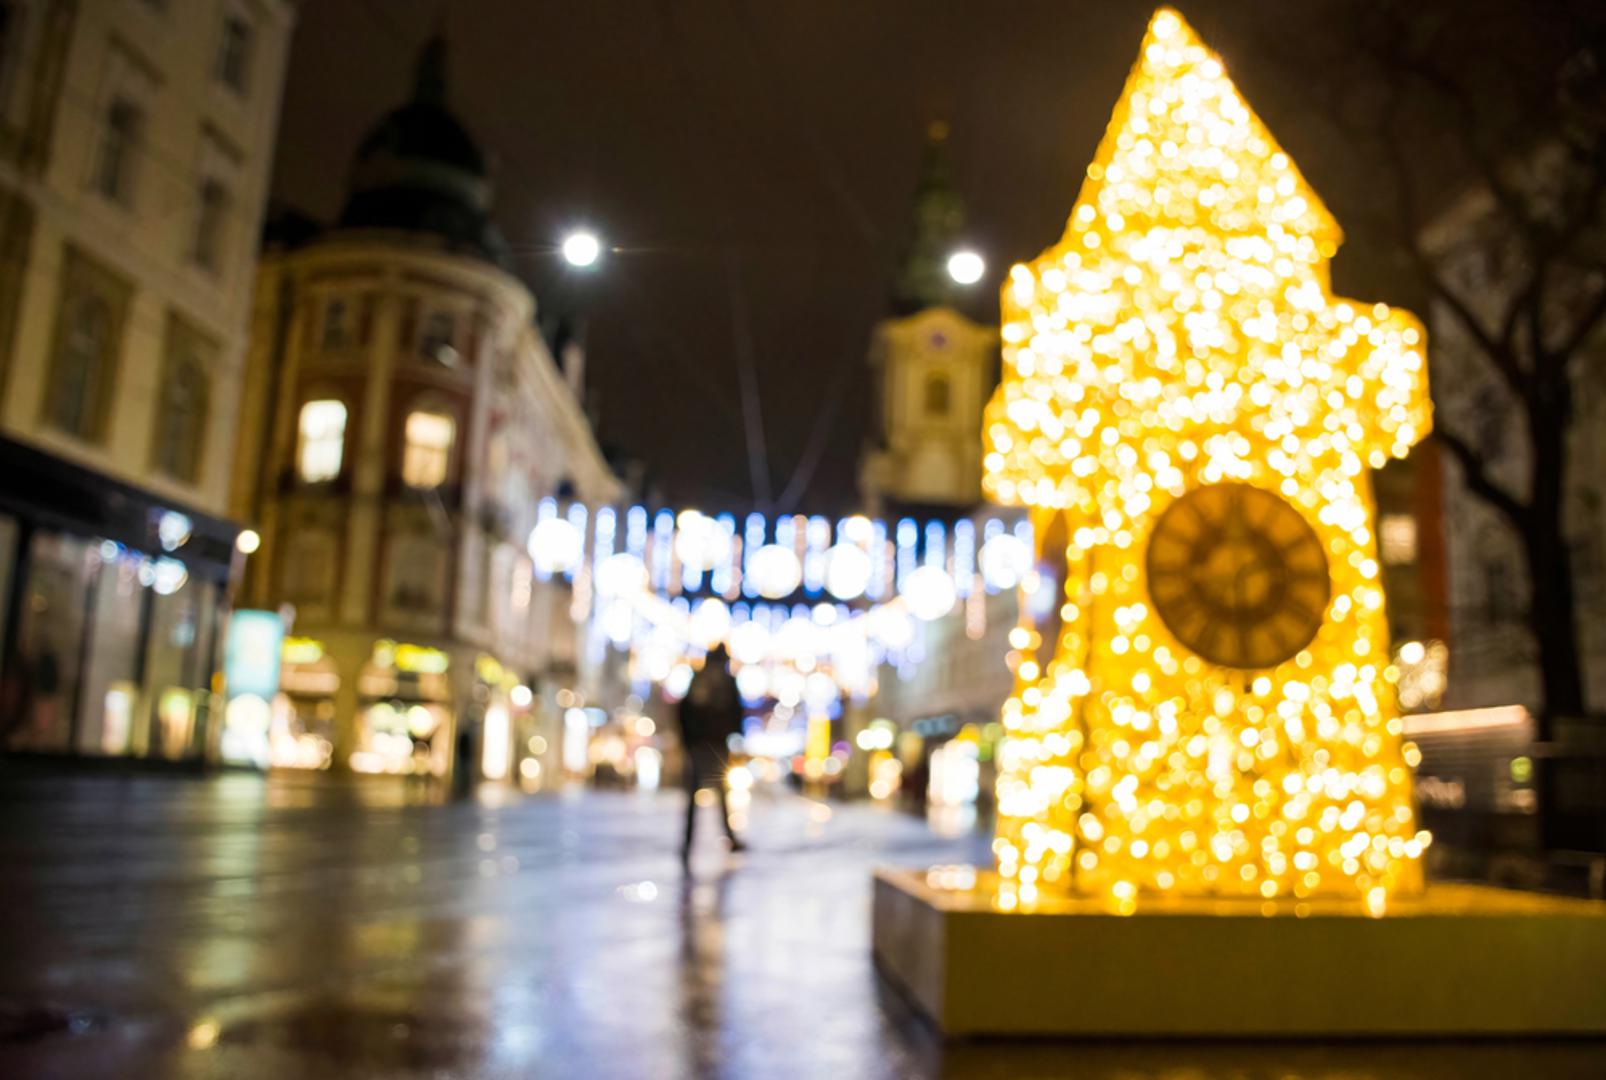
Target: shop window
<point x="183" y="400"/>
<point x="937" y="394"/>
<point x="49" y="644"/>
<point x="108" y="720"/>
<point x="428" y="451"/>
<point x="321" y="444"/>
<point x="438" y="340"/>
<point x="88" y="331"/>
<point x="234" y="53"/>
<point x="211" y="218"/>
<point x="177" y="666"/>
<point x="119" y="148"/>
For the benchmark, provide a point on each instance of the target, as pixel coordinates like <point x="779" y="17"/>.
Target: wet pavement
<point x="301" y="927"/>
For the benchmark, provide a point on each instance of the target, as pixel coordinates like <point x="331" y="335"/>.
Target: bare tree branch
<point x="1501" y="358"/>
<point x="1475" y="470"/>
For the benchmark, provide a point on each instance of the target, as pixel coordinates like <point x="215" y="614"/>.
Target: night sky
<point x="755" y="162"/>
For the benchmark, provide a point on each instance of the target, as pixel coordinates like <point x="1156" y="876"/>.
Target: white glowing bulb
<point x="819" y="690"/>
<point x="582" y="248"/>
<point x="787" y="685"/>
<point x="796" y="642"/>
<point x="555" y="546"/>
<point x="170" y="577"/>
<point x="750" y="643"/>
<point x="966" y="267"/>
<point x="1004" y="561"/>
<point x="248" y="541"/>
<point x="752" y="682"/>
<point x="776" y="571"/>
<point x="700" y="541"/>
<point x="929" y="592"/>
<point x="890" y="626"/>
<point x="847" y="571"/>
<point x="678" y="681"/>
<point x="621" y="575"/>
<point x="710" y="622"/>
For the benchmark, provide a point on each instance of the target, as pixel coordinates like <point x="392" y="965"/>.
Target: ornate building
<point x="135" y="147"/>
<point x="404" y="417"/>
<point x="933" y="368"/>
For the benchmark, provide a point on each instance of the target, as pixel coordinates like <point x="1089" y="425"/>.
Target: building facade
<point x="135" y="147"/>
<point x="403" y="419"/>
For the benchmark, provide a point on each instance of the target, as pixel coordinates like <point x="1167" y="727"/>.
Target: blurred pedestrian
<point x="710" y="714"/>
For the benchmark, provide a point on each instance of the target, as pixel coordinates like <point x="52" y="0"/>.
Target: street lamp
<point x="582" y="248"/>
<point x="966" y="267"/>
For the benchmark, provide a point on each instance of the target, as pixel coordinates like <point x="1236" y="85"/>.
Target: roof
<point x="419" y="170"/>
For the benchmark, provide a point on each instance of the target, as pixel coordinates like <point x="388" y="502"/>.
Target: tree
<point x="1455" y="111"/>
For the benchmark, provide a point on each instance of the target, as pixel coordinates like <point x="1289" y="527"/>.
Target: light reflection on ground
<point x="308" y="928"/>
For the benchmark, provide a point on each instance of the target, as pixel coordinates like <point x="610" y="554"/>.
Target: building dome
<point x="420" y="171"/>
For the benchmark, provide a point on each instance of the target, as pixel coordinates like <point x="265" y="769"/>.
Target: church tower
<point x="932" y="367"/>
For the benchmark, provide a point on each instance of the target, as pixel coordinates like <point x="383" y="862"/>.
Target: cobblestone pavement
<point x="304" y="927"/>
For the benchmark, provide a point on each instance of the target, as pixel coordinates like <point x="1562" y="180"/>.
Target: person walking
<point x="709" y="715"/>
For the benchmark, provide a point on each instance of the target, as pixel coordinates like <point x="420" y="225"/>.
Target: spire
<point x="429" y="78"/>
<point x="939" y="216"/>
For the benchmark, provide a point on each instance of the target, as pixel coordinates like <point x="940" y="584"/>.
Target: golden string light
<point x="1179" y="348"/>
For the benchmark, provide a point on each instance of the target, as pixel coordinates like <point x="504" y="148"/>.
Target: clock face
<point x="1237" y="574"/>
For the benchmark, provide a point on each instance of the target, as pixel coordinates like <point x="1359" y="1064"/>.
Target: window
<point x="436" y="342"/>
<point x="88" y="332"/>
<point x="234" y="53"/>
<point x="182" y="402"/>
<point x="309" y="566"/>
<point x="211" y="216"/>
<point x="413" y="571"/>
<point x="322" y="442"/>
<point x="429" y="449"/>
<point x="336" y="324"/>
<point x="1397" y="538"/>
<point x="114" y="171"/>
<point x="937" y="395"/>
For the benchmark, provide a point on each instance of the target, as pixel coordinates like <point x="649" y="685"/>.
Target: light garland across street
<point x="809" y="607"/>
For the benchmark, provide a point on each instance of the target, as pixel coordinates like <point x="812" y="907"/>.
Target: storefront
<point x="113" y="601"/>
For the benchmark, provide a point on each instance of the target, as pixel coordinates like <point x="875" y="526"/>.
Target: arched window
<point x="181" y="419"/>
<point x="321" y="441"/>
<point x="937" y="394"/>
<point x="428" y="435"/>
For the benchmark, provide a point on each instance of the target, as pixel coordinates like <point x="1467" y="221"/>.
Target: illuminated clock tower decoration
<point x="1204" y="704"/>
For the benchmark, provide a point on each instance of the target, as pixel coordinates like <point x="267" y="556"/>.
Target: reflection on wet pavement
<point x="305" y="928"/>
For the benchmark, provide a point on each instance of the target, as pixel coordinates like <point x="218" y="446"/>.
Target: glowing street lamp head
<point x="582" y="248"/>
<point x="966" y="267"/>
